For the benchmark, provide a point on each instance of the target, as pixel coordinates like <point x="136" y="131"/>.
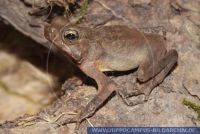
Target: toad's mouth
<point x="67" y="51"/>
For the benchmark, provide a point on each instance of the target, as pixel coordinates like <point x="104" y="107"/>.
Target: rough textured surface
<point x="26" y="85"/>
<point x="176" y="19"/>
<point x="23" y="22"/>
<point x="25" y="93"/>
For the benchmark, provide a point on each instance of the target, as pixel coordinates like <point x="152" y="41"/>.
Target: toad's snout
<point x="49" y="32"/>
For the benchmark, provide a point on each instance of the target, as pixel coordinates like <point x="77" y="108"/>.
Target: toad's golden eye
<point x="70" y="35"/>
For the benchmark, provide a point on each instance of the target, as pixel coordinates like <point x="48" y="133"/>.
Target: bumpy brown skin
<point x="113" y="48"/>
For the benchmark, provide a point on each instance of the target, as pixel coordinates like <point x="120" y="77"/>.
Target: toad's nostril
<point x="53" y="30"/>
<point x="49" y="31"/>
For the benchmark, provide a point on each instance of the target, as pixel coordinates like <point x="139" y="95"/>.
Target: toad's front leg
<point x="105" y="88"/>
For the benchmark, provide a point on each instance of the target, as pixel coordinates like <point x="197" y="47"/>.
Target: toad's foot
<point x="84" y="113"/>
<point x="137" y="90"/>
<point x="147" y="87"/>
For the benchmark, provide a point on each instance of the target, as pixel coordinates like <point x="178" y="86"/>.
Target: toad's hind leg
<point x="160" y="70"/>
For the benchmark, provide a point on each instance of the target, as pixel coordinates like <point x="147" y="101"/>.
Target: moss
<point x="193" y="106"/>
<point x="83" y="11"/>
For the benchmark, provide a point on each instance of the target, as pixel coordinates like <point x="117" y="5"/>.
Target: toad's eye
<point x="71" y="35"/>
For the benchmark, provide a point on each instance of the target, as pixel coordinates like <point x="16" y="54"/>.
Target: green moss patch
<point x="193" y="106"/>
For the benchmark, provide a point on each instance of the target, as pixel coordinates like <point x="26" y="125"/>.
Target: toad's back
<point x="126" y="48"/>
